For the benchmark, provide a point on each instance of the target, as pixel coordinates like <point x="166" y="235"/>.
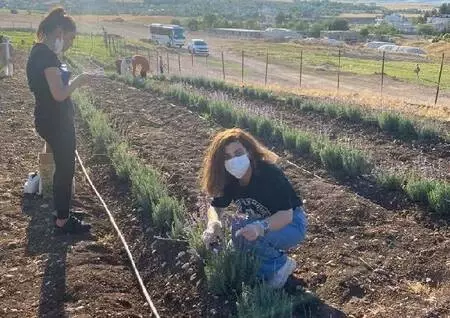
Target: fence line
<point x="223" y="68"/>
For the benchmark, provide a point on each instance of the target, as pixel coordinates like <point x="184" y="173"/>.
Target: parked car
<point x="198" y="47"/>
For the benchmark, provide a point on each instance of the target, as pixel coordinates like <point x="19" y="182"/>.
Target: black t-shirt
<point x="47" y="110"/>
<point x="268" y="192"/>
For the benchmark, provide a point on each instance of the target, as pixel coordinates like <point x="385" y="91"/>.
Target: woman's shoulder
<point x="270" y="168"/>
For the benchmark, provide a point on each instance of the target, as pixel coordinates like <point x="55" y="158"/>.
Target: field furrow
<point x="358" y="255"/>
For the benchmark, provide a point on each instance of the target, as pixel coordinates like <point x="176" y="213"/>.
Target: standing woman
<point x="270" y="218"/>
<point x="48" y="79"/>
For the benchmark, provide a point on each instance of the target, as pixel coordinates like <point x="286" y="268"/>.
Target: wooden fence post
<point x="439" y="80"/>
<point x="382" y="73"/>
<point x="242" y="68"/>
<point x="301" y="67"/>
<point x="339" y="70"/>
<point x="223" y="67"/>
<point x="267" y="67"/>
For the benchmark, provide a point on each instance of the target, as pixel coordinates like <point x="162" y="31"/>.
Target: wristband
<point x="265" y="226"/>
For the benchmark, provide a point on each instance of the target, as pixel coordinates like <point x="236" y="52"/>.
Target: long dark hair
<point x="57" y="18"/>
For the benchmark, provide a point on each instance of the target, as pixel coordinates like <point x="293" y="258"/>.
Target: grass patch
<point x="229" y="270"/>
<point x="262" y="301"/>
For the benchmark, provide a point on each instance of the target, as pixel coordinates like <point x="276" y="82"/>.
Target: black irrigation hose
<point x="122" y="239"/>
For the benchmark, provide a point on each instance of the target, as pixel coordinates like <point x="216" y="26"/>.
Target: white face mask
<point x="237" y="166"/>
<point x="59" y="46"/>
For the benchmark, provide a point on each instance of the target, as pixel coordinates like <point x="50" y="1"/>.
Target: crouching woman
<point x="270" y="219"/>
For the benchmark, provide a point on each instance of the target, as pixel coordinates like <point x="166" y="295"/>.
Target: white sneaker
<point x="281" y="276"/>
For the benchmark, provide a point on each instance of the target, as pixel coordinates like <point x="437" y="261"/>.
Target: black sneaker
<point x="75" y="213"/>
<point x="73" y="226"/>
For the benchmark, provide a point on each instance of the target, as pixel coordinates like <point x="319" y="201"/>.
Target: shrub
<point x="418" y="190"/>
<point x="194" y="236"/>
<point x="303" y="143"/>
<point x="389" y="122"/>
<point x="331" y="158"/>
<point x="253" y="125"/>
<point x="354" y="163"/>
<point x="242" y="120"/>
<point x="123" y="162"/>
<point x="164" y="213"/>
<point x="353" y="114"/>
<point x="227" y="271"/>
<point x="406" y="129"/>
<point x="390" y="182"/>
<point x="265" y="129"/>
<point x="439" y="198"/>
<point x="263" y="301"/>
<point x="146" y="187"/>
<point x="289" y="139"/>
<point x="428" y="134"/>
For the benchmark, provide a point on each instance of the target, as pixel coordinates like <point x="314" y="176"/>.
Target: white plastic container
<point x="8" y="69"/>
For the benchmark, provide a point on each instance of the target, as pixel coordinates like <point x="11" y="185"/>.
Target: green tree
<point x="193" y="24"/>
<point x="209" y="20"/>
<point x="339" y="24"/>
<point x="301" y="25"/>
<point x="280" y="19"/>
<point x="364" y="32"/>
<point x="425" y="29"/>
<point x="315" y="30"/>
<point x="175" y="21"/>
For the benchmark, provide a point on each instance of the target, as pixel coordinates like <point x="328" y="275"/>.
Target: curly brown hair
<point x="214" y="176"/>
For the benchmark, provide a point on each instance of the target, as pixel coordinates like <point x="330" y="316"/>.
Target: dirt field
<point x="46" y="276"/>
<point x="359" y="257"/>
<point x="362" y="258"/>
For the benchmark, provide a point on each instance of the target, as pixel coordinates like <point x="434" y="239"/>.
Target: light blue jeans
<point x="271" y="249"/>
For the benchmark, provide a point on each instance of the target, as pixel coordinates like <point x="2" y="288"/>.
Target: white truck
<point x="167" y="34"/>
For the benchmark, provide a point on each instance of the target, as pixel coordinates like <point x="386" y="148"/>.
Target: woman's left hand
<point x="251" y="231"/>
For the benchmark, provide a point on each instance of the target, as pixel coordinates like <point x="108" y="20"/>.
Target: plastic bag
<point x="31" y="186"/>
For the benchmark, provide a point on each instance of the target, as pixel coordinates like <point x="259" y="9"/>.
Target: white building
<point x="441" y="23"/>
<point x="399" y="22"/>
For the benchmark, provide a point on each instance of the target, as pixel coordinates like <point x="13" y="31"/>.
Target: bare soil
<point x="360" y="258"/>
<point x="389" y="154"/>
<point x="42" y="275"/>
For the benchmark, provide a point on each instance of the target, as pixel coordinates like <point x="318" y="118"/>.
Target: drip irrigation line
<point x="122" y="239"/>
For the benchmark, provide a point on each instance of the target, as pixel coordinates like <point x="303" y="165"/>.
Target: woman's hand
<point x="251" y="231"/>
<point x="80" y="80"/>
<point x="213" y="234"/>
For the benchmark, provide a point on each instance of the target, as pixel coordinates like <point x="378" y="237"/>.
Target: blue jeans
<point x="271" y="249"/>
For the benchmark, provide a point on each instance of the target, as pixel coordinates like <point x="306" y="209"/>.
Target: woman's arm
<point x="59" y="91"/>
<point x="276" y="222"/>
<point x="280" y="219"/>
<point x="214" y="214"/>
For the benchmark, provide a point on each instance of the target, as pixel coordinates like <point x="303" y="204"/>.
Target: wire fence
<point x="410" y="78"/>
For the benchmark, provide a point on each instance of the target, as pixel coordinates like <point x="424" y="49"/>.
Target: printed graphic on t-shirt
<point x="252" y="208"/>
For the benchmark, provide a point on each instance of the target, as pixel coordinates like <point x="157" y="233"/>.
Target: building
<point x="441" y="23"/>
<point x="346" y="36"/>
<point x="240" y="33"/>
<point x="401" y="23"/>
<point x="281" y="34"/>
